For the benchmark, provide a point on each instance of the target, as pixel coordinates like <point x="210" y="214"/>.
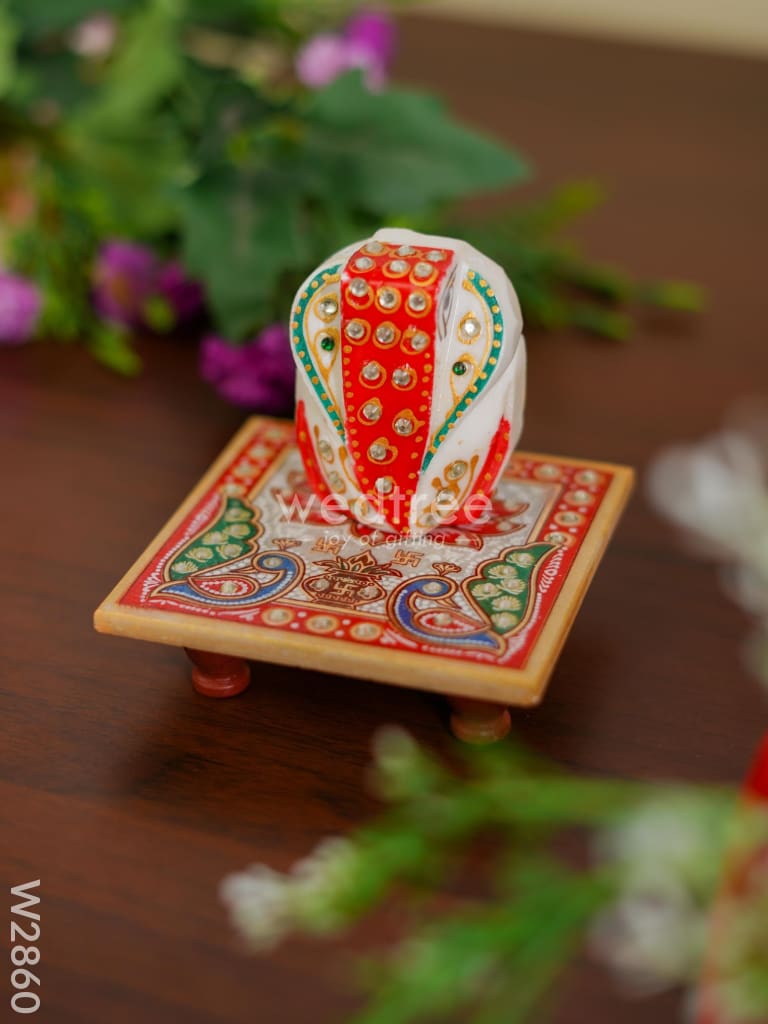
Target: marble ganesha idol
<point x="411" y="380"/>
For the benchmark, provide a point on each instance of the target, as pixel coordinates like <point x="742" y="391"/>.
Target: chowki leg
<point x="218" y="675"/>
<point x="478" y="721"/>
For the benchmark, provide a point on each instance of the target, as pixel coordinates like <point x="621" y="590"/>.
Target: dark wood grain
<point x="130" y="796"/>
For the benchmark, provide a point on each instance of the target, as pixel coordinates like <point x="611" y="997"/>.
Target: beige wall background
<point x="730" y="25"/>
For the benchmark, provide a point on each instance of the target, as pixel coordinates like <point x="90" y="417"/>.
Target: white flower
<point x="265" y="906"/>
<point x="668" y="839"/>
<point x="717" y="491"/>
<point x="652" y="939"/>
<point x="667" y="856"/>
<point x="326" y="866"/>
<point x="258" y="902"/>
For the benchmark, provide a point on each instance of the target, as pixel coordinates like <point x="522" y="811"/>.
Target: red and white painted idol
<point x="411" y="380"/>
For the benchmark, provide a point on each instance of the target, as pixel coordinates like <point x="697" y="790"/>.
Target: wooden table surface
<point x="130" y="796"/>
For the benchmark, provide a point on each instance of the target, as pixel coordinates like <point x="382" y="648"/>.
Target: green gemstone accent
<point x="460" y="368"/>
<point x="327" y="344"/>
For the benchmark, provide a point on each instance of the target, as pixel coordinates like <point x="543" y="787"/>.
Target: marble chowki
<point x="394" y="533"/>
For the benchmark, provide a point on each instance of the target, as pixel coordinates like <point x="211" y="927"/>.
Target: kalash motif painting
<point x="391" y="516"/>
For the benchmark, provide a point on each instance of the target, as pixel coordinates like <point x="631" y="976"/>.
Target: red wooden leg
<point x="218" y="675"/>
<point x="478" y="721"/>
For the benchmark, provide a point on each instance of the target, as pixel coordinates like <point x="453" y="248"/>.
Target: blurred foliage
<point x="489" y="933"/>
<point x="190" y="132"/>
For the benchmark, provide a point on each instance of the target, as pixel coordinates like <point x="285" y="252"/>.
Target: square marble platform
<point x="248" y="569"/>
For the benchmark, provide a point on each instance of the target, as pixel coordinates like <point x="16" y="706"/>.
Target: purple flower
<point x="124" y="277"/>
<point x="130" y="283"/>
<point x="184" y="295"/>
<point x="367" y="42"/>
<point x="257" y="375"/>
<point x="20" y="304"/>
<point x="373" y="31"/>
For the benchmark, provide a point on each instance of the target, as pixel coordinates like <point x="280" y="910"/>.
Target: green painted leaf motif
<point x="504" y="588"/>
<point x="230" y="537"/>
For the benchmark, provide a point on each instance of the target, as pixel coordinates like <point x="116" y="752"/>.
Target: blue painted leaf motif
<point x="440" y="622"/>
<point x="242" y="589"/>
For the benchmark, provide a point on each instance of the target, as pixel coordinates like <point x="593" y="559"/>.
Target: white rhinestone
<point x="377" y="452"/>
<point x="387" y="298"/>
<point x="321" y="584"/>
<point x="456" y="469"/>
<point x="406" y="250"/>
<point x="371" y="371"/>
<point x="355" y="330"/>
<point x="418" y="302"/>
<point x="469" y="328"/>
<point x="403" y="426"/>
<point x="419" y="341"/>
<point x="435" y="255"/>
<point x="445" y="497"/>
<point x="423" y="270"/>
<point x="363" y="263"/>
<point x="329" y="307"/>
<point x="336" y="482"/>
<point x="325" y="449"/>
<point x="375" y="247"/>
<point x="272" y="563"/>
<point x="384" y="484"/>
<point x="442" y="619"/>
<point x="371" y="410"/>
<point x="385" y="334"/>
<point x="431" y="588"/>
<point x="557" y="537"/>
<point x="398" y="267"/>
<point x="358" y="287"/>
<point x="588" y="476"/>
<point x="402" y="377"/>
<point x="581" y="495"/>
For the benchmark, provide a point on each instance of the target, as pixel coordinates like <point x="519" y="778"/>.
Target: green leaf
<point x="111" y="346"/>
<point x="399" y="151"/>
<point x="240" y="234"/>
<point x="559" y="209"/>
<point x="147" y="66"/>
<point x="606" y="322"/>
<point x="159" y="314"/>
<point x="8" y="38"/>
<point x="45" y="17"/>
<point x="680" y="296"/>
